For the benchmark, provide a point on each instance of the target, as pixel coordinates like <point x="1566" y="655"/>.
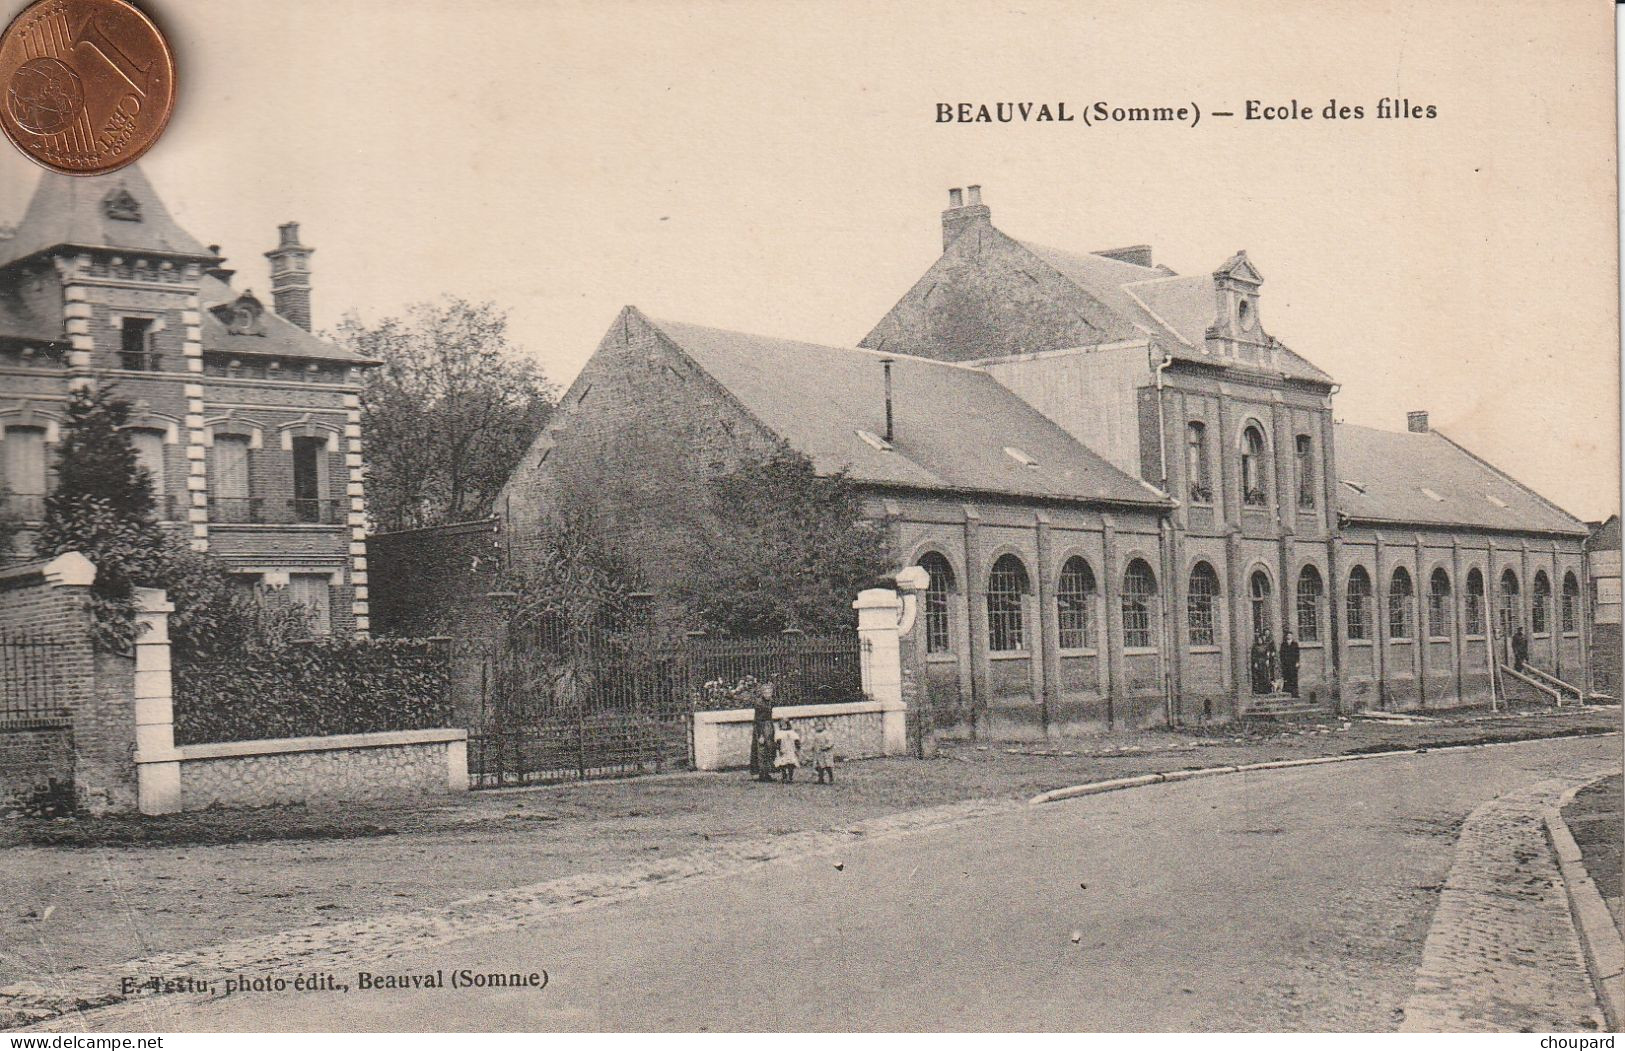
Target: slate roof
<point x="282" y="338"/>
<point x="67" y="210"/>
<point x="19" y="319"/>
<point x="1393" y="468"/>
<point x="1173" y="308"/>
<point x="952" y="423"/>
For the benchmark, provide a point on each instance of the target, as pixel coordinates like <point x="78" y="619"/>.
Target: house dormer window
<point x="122" y="205"/>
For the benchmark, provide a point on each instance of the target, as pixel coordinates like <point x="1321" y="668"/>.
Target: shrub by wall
<point x="317" y="688"/>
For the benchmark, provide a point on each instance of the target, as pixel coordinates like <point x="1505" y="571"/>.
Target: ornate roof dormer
<point x="1236" y="331"/>
<point x="243" y="316"/>
<point x="121" y="204"/>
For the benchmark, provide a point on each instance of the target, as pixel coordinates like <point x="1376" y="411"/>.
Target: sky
<point x="777" y="167"/>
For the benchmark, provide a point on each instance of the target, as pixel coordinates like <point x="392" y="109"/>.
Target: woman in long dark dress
<point x="761" y="736"/>
<point x="1289" y="663"/>
<point x="1260" y="664"/>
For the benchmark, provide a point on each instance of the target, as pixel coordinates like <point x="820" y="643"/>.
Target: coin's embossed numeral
<point x="92" y="35"/>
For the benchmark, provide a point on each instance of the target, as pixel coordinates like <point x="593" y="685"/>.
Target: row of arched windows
<point x="1401" y="604"/>
<point x="1008" y="587"/>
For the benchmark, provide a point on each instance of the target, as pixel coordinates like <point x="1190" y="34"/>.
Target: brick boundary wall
<point x="428" y="581"/>
<point x="90" y="747"/>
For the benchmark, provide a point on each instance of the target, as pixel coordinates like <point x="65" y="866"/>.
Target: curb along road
<point x="1119" y="783"/>
<point x="1599" y="937"/>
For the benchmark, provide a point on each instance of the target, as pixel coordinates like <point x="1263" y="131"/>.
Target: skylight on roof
<point x="1021" y="457"/>
<point x="1431" y="495"/>
<point x="1496" y="500"/>
<point x="875" y="440"/>
<point x="1358" y="487"/>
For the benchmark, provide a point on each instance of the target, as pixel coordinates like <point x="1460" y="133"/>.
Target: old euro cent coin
<point x="88" y="85"/>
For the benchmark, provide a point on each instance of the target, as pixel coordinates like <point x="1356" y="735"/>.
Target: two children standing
<point x="787" y="751"/>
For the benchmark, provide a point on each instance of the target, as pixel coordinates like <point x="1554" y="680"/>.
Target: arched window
<point x="1201" y="605"/>
<point x="1254" y="487"/>
<point x="1006" y="586"/>
<point x="1310" y="591"/>
<point x="1359" y="603"/>
<point x="1073" y="599"/>
<point x="1571" y="604"/>
<point x="1540" y="602"/>
<point x="1510" y="613"/>
<point x="1258" y="590"/>
<point x="1474" y="611"/>
<point x="1439" y="608"/>
<point x="1139" y="589"/>
<point x="1400" y="594"/>
<point x="938" y="633"/>
<point x="1201" y="483"/>
<point x="1306" y="471"/>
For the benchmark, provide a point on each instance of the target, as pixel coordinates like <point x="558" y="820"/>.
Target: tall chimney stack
<point x="961" y="214"/>
<point x="290" y="276"/>
<point x="1417" y="422"/>
<point x="886" y="364"/>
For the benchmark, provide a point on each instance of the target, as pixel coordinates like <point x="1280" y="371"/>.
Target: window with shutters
<point x="25" y="475"/>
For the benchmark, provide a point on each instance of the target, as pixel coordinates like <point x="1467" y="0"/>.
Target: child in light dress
<point x="823" y="752"/>
<point x="787" y="746"/>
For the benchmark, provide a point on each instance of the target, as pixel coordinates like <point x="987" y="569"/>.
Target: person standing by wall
<point x="1289" y="663"/>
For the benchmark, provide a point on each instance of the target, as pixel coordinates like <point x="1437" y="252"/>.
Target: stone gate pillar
<point x="884" y="617"/>
<point x="158" y="768"/>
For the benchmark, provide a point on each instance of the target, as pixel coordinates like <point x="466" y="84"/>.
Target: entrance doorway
<point x="1261" y="652"/>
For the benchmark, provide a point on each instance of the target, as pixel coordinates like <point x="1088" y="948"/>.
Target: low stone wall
<point x="316" y="770"/>
<point x="36" y="762"/>
<point x="862" y="730"/>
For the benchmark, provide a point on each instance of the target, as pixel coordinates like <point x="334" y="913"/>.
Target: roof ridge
<point x="1504" y="475"/>
<point x="823" y="346"/>
<point x="1128" y="290"/>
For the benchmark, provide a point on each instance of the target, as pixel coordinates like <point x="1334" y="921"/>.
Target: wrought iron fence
<point x="608" y="704"/>
<point x="33" y="678"/>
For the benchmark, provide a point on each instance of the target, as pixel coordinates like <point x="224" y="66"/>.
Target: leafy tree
<point x="448" y="414"/>
<point x="785" y="547"/>
<point x="103" y="508"/>
<point x="574" y="588"/>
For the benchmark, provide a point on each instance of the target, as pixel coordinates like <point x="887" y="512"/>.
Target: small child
<point x="823" y="750"/>
<point x="787" y="742"/>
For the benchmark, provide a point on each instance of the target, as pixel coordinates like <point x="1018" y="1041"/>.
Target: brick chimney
<point x="963" y="213"/>
<point x="1417" y="422"/>
<point x="290" y="276"/>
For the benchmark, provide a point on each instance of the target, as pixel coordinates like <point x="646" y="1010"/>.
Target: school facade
<point x="1115" y="479"/>
<point x="249" y="425"/>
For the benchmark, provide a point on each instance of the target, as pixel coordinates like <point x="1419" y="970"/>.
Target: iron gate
<point x="620" y="705"/>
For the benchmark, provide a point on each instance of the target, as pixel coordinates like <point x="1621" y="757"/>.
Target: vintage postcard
<point x="810" y="515"/>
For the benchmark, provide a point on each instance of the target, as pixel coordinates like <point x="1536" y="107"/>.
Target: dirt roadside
<point x="1594" y="820"/>
<point x="89" y="893"/>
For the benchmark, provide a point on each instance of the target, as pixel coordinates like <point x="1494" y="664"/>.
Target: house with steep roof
<point x="248" y="423"/>
<point x="1117" y="480"/>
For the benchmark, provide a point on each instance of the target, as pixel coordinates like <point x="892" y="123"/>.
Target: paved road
<point x="1293" y="899"/>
